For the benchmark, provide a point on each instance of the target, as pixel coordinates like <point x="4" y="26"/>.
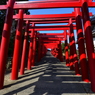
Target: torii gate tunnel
<point x="81" y="18"/>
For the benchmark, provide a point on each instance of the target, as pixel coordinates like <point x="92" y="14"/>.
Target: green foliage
<point x="63" y="46"/>
<point x="14" y="25"/>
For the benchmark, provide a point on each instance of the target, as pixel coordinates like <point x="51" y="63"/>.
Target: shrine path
<point x="48" y="77"/>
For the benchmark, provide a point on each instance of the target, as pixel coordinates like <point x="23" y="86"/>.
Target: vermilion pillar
<point x="71" y="64"/>
<point x="89" y="42"/>
<point x="42" y="50"/>
<point x="17" y="47"/>
<point x="5" y="40"/>
<point x="0" y="43"/>
<point x="31" y="48"/>
<point x="24" y="52"/>
<point x="60" y="52"/>
<point x="45" y="50"/>
<point x="66" y="49"/>
<point x="39" y="49"/>
<point x="82" y="55"/>
<point x="56" y="51"/>
<point x="34" y="50"/>
<point x="74" y="48"/>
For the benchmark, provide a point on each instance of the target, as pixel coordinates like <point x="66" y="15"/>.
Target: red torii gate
<point x="76" y="66"/>
<point x="46" y="28"/>
<point x="29" y="66"/>
<point x="51" y="40"/>
<point x="84" y="4"/>
<point x="45" y="16"/>
<point x="60" y="16"/>
<point x="52" y="36"/>
<point x="51" y="44"/>
<point x="48" y="4"/>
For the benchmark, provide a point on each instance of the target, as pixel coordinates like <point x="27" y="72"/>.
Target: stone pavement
<point x="48" y="77"/>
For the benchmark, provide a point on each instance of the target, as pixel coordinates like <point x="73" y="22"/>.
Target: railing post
<point x="5" y="40"/>
<point x="89" y="42"/>
<point x="24" y="52"/>
<point x="17" y="47"/>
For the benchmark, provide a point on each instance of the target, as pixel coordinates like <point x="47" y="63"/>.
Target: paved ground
<point x="49" y="77"/>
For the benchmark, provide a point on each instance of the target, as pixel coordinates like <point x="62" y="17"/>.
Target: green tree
<point x="14" y="25"/>
<point x="63" y="46"/>
<point x="13" y="29"/>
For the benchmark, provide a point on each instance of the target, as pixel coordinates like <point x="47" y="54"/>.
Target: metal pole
<point x="24" y="52"/>
<point x="5" y="40"/>
<point x="82" y="55"/>
<point x="89" y="42"/>
<point x="17" y="47"/>
<point x="77" y="72"/>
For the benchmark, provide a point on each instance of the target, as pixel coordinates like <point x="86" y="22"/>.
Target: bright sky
<point x="55" y="11"/>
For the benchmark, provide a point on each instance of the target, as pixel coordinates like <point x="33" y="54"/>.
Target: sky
<point x="55" y="11"/>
